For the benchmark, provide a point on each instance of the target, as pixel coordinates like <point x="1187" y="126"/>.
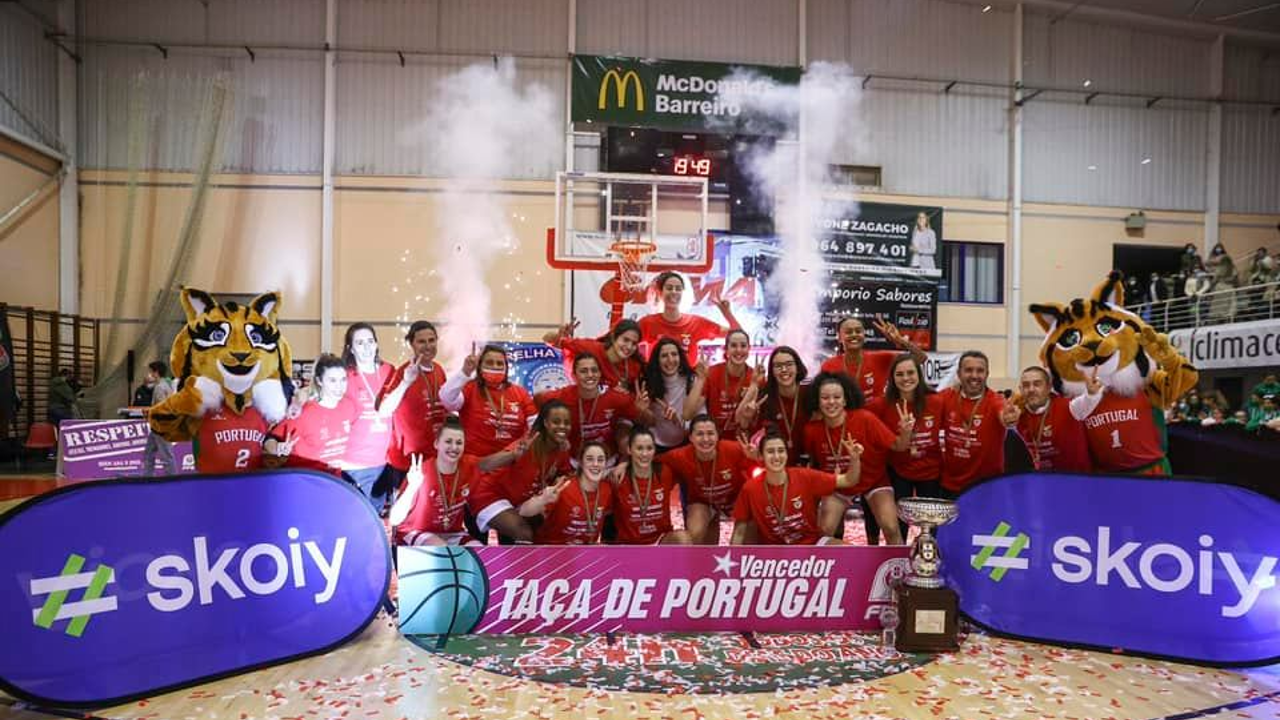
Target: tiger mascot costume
<point x="1140" y="373"/>
<point x="232" y="372"/>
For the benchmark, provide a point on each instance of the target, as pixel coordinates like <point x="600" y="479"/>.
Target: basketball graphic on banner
<point x="443" y="590"/>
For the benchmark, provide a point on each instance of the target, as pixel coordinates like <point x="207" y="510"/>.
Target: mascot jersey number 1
<point x="231" y="366"/>
<point x="1140" y="372"/>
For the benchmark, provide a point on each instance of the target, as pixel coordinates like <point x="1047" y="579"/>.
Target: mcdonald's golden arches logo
<point x="620" y="82"/>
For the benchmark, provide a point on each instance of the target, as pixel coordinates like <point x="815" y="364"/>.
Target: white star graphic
<point x="725" y="563"/>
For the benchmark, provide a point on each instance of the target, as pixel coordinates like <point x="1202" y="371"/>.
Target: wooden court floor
<point x="382" y="675"/>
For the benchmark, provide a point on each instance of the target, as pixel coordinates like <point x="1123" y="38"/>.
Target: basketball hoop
<point x="633" y="259"/>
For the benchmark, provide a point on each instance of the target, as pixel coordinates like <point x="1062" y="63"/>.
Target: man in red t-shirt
<point x="688" y="330"/>
<point x="317" y="438"/>
<point x="1054" y="438"/>
<point x="869" y="369"/>
<point x="973" y="440"/>
<point x="230" y="443"/>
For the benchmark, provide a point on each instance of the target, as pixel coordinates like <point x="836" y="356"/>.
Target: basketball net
<point x="633" y="256"/>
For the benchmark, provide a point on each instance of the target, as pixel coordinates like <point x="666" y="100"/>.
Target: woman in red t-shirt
<point x="724" y="385"/>
<point x="642" y="489"/>
<point x="621" y="364"/>
<point x="573" y="509"/>
<point x="687" y="329"/>
<point x="869" y="369"/>
<point x="494" y="411"/>
<point x="366" y="458"/>
<point x="711" y="471"/>
<point x="917" y="469"/>
<point x="431" y="510"/>
<point x="412" y="396"/>
<point x="780" y="505"/>
<point x="838" y="406"/>
<point x="781" y="401"/>
<point x="316" y="438"/>
<point x="520" y="471"/>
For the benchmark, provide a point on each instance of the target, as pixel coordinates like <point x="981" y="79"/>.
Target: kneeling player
<point x="430" y="511"/>
<point x="573" y="509"/>
<point x="780" y="506"/>
<point x="642" y="496"/>
<point x="711" y="471"/>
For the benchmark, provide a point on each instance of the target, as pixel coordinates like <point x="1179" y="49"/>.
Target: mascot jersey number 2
<point x="231" y="366"/>
<point x="1140" y="373"/>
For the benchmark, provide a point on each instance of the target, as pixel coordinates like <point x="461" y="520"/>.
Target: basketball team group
<point x="777" y="451"/>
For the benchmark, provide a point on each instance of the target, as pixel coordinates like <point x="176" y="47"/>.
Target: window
<point x="972" y="273"/>
<point x="866" y="176"/>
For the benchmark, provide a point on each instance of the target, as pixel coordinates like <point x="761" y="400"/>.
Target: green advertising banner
<point x="669" y="94"/>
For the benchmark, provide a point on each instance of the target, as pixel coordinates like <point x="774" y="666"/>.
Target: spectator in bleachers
<point x="1265" y="417"/>
<point x="1197" y="284"/>
<point x="1190" y="258"/>
<point x="64" y="396"/>
<point x="1268" y="386"/>
<point x="1191" y="408"/>
<point x="1222" y="270"/>
<point x="1261" y="267"/>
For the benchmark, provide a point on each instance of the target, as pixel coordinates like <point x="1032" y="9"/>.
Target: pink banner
<point x="675" y="589"/>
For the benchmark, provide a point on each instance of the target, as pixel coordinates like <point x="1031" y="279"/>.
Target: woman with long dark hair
<point x="669" y="380"/>
<point x="617" y="351"/>
<point x="781" y="402"/>
<point x="642" y="496"/>
<point x="869" y="369"/>
<point x="365" y="460"/>
<point x="839" y="416"/>
<point x="494" y="411"/>
<point x="685" y="328"/>
<point x="573" y="509"/>
<point x="521" y="470"/>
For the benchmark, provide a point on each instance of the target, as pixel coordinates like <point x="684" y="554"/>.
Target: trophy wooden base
<point x="928" y="620"/>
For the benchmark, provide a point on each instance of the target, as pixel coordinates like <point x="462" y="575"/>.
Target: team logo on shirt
<point x="796" y="502"/>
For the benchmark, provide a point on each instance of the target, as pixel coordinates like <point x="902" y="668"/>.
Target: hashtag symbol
<point x="56" y="587"/>
<point x="1009" y="560"/>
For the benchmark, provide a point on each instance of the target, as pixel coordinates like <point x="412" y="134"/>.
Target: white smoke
<point x="483" y="126"/>
<point x="821" y="115"/>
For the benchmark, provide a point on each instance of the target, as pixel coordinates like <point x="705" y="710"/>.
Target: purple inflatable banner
<point x="1166" y="567"/>
<point x="523" y="589"/>
<point x="99" y="449"/>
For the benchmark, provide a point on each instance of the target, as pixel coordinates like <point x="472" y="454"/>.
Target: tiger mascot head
<point x="1097" y="335"/>
<point x="227" y="355"/>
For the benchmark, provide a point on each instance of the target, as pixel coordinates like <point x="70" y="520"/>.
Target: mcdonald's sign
<point x="620" y="82"/>
<point x="666" y="93"/>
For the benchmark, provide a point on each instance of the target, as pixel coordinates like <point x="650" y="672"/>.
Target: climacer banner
<point x="1171" y="568"/>
<point x="122" y="589"/>
<point x="1247" y="344"/>
<point x="97" y="449"/>
<point x="451" y="590"/>
<point x="672" y="94"/>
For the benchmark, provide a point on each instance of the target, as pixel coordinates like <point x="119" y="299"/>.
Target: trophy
<point x="927" y="609"/>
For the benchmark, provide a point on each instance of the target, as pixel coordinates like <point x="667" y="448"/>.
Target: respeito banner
<point x="122" y="589"/>
<point x="1165" y="567"/>
<point x="671" y="94"/>
<point x="491" y="589"/>
<point x="1249" y="344"/>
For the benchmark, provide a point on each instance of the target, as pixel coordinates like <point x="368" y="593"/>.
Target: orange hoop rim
<point x="634" y="250"/>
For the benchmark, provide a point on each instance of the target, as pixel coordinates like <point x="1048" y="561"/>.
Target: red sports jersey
<point x="1123" y="434"/>
<point x="626" y="375"/>
<point x="1055" y="439"/>
<point x="518" y="481"/>
<point x="493" y="419"/>
<point x="321" y="435"/>
<point x="417" y="418"/>
<point x="824" y="448"/>
<point x="575" y="517"/>
<point x="922" y="460"/>
<point x="713" y="482"/>
<point x="789" y="520"/>
<point x="228" y="443"/>
<point x="973" y="447"/>
<point x="723" y="393"/>
<point x="643" y="517"/>
<point x="440" y="500"/>
<point x="690" y="331"/>
<point x="789" y="416"/>
<point x="870" y="374"/>
<point x="370" y="435"/>
<point x="595" y="419"/>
